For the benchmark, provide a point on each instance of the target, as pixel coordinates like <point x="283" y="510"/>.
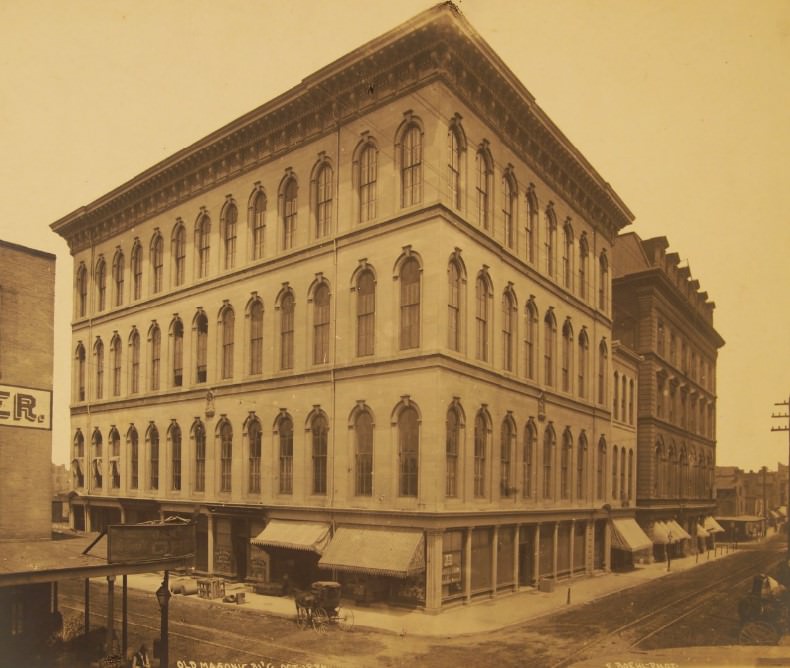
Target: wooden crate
<point x="211" y="588"/>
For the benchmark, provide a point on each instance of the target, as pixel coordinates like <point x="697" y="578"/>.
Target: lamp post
<point x="163" y="597"/>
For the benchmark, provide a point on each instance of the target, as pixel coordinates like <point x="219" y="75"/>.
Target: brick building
<point x="371" y="316"/>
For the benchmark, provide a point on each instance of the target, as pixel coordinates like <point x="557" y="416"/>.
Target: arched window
<point x="82" y="291"/>
<point x="566" y="457"/>
<point x="615" y="402"/>
<point x="254" y="444"/>
<point x="532" y="224"/>
<point x="454" y="321"/>
<point x="230" y="215"/>
<point x="551" y="242"/>
<point x="455" y="147"/>
<point x="80" y="355"/>
<point x="623" y="398"/>
<point x="287" y="331"/>
<point x="76" y="464"/>
<point x="321" y="316"/>
<point x="567" y="355"/>
<point x="137" y="269"/>
<point x="157" y="263"/>
<point x="98" y="353"/>
<point x="481" y="447"/>
<point x="289" y="196"/>
<point x="451" y="451"/>
<point x="116" y="349"/>
<point x="226" y="456"/>
<point x="603" y="284"/>
<point x="256" y="337"/>
<point x="366" y="313"/>
<point x="584" y="253"/>
<point x="411" y="165"/>
<point x="118" y="270"/>
<point x="368" y="174"/>
<point x="603" y="356"/>
<point x="228" y="323"/>
<point x="153" y="456"/>
<point x="323" y="201"/>
<point x="101" y="285"/>
<point x="623" y="489"/>
<point x="199" y="434"/>
<point x="363" y="454"/>
<point x="482" y="316"/>
<point x="567" y="255"/>
<point x="175" y="456"/>
<point x="629" y="482"/>
<point x="531" y="340"/>
<point x="484" y="172"/>
<point x="178" y="352"/>
<point x="408" y="451"/>
<point x="549" y="442"/>
<point x="410" y="304"/>
<point x="285" y="429"/>
<point x="509" y="209"/>
<point x="508" y="329"/>
<point x="179" y="251"/>
<point x="96" y="447"/>
<point x="600" y="472"/>
<point x="550" y="347"/>
<point x="134" y="458"/>
<point x="134" y="368"/>
<point x="614" y="472"/>
<point x="115" y="454"/>
<point x="584" y="362"/>
<point x="319" y="430"/>
<point x="155" y="339"/>
<point x="528" y="462"/>
<point x="257" y="220"/>
<point x="507" y="437"/>
<point x="581" y="469"/>
<point x="203" y="245"/>
<point x="201" y="347"/>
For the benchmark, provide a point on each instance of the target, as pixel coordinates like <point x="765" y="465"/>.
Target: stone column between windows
<point x="433" y="570"/>
<point x="494" y="558"/>
<point x="536" y="555"/>
<point x="210" y="544"/>
<point x="468" y="566"/>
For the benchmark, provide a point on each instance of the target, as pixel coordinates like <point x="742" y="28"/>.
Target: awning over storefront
<point x="308" y="536"/>
<point x="702" y="532"/>
<point x="380" y="551"/>
<point x="658" y="533"/>
<point x="677" y="532"/>
<point x="712" y="526"/>
<point x="782" y="511"/>
<point x="774" y="515"/>
<point x="628" y="535"/>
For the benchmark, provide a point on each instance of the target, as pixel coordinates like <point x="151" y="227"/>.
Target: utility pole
<point x="786" y="404"/>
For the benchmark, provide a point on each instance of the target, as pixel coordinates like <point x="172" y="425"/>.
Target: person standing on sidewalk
<point x="141" y="658"/>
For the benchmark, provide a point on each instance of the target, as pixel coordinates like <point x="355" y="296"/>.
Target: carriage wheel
<point x="759" y="633"/>
<point x="302" y="618"/>
<point x="320" y="620"/>
<point x="345" y="619"/>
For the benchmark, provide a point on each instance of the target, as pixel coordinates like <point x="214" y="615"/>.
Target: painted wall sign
<point x="144" y="542"/>
<point x="25" y="407"/>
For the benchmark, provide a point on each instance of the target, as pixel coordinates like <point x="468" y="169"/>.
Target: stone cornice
<point x="437" y="44"/>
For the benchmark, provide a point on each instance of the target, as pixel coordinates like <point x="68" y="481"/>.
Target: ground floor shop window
<point x="481" y="560"/>
<point x="410" y="591"/>
<point x="564" y="548"/>
<point x="547" y="550"/>
<point x="452" y="565"/>
<point x="526" y="555"/>
<point x="504" y="557"/>
<point x="579" y="546"/>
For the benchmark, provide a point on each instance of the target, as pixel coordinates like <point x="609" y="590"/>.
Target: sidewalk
<point x="479" y="617"/>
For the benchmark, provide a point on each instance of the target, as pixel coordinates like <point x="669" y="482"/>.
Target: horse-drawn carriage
<point x="321" y="606"/>
<point x="763" y="612"/>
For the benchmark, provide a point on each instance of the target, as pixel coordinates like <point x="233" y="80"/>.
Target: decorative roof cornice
<point x="438" y="44"/>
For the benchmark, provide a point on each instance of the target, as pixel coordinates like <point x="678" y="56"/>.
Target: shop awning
<point x="712" y="526"/>
<point x="628" y="535"/>
<point x="774" y="515"/>
<point x="702" y="532"/>
<point x="659" y="533"/>
<point x="379" y="551"/>
<point x="308" y="536"/>
<point x="677" y="532"/>
<point x="782" y="511"/>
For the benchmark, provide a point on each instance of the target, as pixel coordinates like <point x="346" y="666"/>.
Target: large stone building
<point x="366" y="327"/>
<point x="660" y="312"/>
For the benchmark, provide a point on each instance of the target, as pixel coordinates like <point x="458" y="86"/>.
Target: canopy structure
<point x="702" y="532"/>
<point x="659" y="533"/>
<point x="782" y="511"/>
<point x="307" y="536"/>
<point x="677" y="532"/>
<point x="712" y="526"/>
<point x="380" y="551"/>
<point x="628" y="535"/>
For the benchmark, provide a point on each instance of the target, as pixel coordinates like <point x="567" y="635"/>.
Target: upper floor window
<point x="551" y="241"/>
<point x="203" y="245"/>
<point x="157" y="265"/>
<point x="179" y="254"/>
<point x="480" y="454"/>
<point x="567" y="255"/>
<point x="550" y="347"/>
<point x="603" y="285"/>
<point x="508" y="328"/>
<point x="600" y="472"/>
<point x="454" y="319"/>
<point x="615" y="387"/>
<point x="408" y="451"/>
<point x="549" y="443"/>
<point x="567" y="355"/>
<point x="455" y="148"/>
<point x="484" y="172"/>
<point x="175" y="456"/>
<point x="660" y="337"/>
<point x="134" y="457"/>
<point x="177" y="329"/>
<point x="228" y="323"/>
<point x="285" y="431"/>
<point x="452" y="450"/>
<point x="410" y="304"/>
<point x="226" y="457"/>
<point x="321" y="317"/>
<point x="82" y="291"/>
<point x="581" y="470"/>
<point x="155" y="338"/>
<point x="323" y="201"/>
<point x="287" y="331"/>
<point x="603" y="361"/>
<point x="509" y="209"/>
<point x="101" y="285"/>
<point x="528" y="460"/>
<point x="80" y="372"/>
<point x="96" y="443"/>
<point x="482" y="316"/>
<point x="201" y="348"/>
<point x="566" y="456"/>
<point x="532" y="224"/>
<point x="98" y="353"/>
<point x="411" y="165"/>
<point x="363" y="454"/>
<point x="257" y="223"/>
<point x="153" y="456"/>
<point x="116" y="349"/>
<point x="507" y="435"/>
<point x="118" y="271"/>
<point x="319" y="431"/>
<point x="230" y="216"/>
<point x="531" y="340"/>
<point x="366" y="312"/>
<point x="199" y="434"/>
<point x="584" y="253"/>
<point x="256" y="337"/>
<point x="134" y="368"/>
<point x="584" y="362"/>
<point x="289" y="193"/>
<point x="137" y="270"/>
<point x="254" y="440"/>
<point x="368" y="176"/>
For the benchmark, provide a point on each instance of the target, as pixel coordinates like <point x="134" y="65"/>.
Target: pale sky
<point x="682" y="105"/>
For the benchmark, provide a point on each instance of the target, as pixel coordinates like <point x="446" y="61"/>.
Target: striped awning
<point x="677" y="532"/>
<point x="628" y="535"/>
<point x="307" y="536"/>
<point x="380" y="551"/>
<point x="712" y="526"/>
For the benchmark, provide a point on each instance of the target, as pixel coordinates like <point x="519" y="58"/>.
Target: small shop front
<point x="630" y="545"/>
<point x="287" y="552"/>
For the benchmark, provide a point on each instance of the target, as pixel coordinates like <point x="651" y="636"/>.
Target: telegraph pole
<point x="786" y="404"/>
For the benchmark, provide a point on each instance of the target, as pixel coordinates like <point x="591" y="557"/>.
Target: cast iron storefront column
<point x="468" y="566"/>
<point x="494" y="552"/>
<point x="433" y="570"/>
